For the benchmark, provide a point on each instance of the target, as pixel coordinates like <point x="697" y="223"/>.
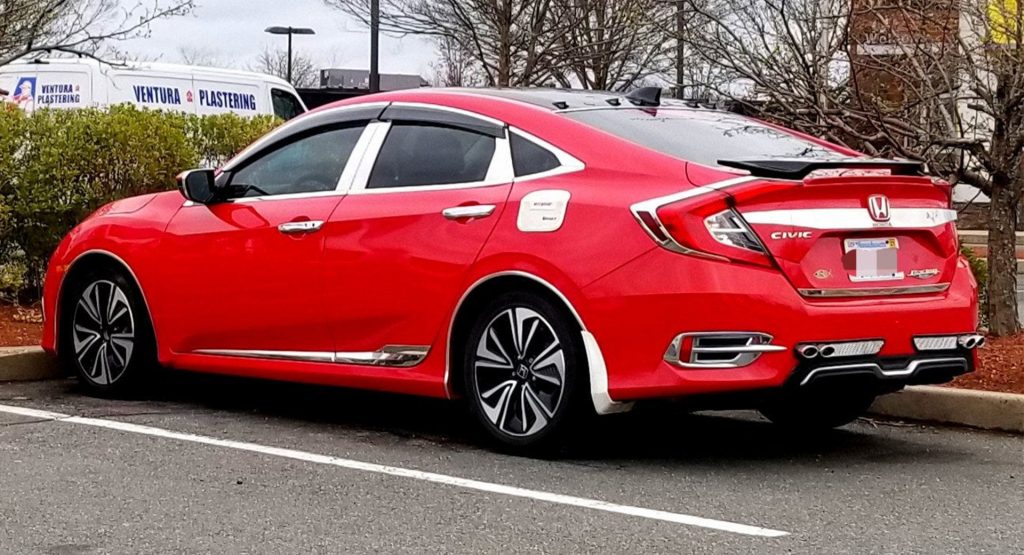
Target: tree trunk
<point x="1002" y="261"/>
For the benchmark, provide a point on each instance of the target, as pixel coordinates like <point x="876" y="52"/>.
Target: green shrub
<point x="57" y="166"/>
<point x="979" y="267"/>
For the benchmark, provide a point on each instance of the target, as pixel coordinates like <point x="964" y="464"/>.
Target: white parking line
<point x="477" y="485"/>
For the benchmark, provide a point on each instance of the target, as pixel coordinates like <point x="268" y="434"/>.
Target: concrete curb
<point x="986" y="410"/>
<point x="27" y="363"/>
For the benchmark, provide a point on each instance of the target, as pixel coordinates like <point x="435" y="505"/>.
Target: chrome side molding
<point x="395" y="356"/>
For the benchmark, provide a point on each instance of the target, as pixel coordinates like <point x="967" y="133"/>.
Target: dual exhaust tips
<point x="810" y="351"/>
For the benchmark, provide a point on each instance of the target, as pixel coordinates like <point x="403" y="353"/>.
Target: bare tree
<point x="513" y="42"/>
<point x="275" y="62"/>
<point x="76" y="26"/>
<point x="935" y="80"/>
<point x="455" y="67"/>
<point x="612" y="44"/>
<point x="199" y="56"/>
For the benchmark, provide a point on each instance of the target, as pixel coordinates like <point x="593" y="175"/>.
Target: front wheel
<point x="525" y="375"/>
<point x="817" y="411"/>
<point x="106" y="338"/>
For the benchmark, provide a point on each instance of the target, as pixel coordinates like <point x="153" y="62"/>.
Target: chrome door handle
<point x="466" y="212"/>
<point x="294" y="228"/>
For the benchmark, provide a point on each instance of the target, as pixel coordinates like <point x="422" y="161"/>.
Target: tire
<point x="526" y="395"/>
<point x="817" y="411"/>
<point x="106" y="338"/>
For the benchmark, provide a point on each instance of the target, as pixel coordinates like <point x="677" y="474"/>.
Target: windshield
<point x="702" y="136"/>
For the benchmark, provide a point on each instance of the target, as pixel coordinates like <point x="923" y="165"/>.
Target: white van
<point x="81" y="83"/>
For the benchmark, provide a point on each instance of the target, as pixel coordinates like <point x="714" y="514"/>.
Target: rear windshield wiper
<point x="798" y="168"/>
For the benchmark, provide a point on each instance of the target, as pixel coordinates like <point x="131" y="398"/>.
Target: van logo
<point x="878" y="207"/>
<point x="791" y="235"/>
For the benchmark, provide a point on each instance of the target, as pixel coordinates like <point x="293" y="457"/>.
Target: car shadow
<point x="659" y="432"/>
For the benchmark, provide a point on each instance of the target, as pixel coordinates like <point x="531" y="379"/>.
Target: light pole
<point x="374" y="36"/>
<point x="290" y="31"/>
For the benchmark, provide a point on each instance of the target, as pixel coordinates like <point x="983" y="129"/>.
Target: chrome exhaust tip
<point x="827" y="351"/>
<point x="971" y="341"/>
<point x="808" y="351"/>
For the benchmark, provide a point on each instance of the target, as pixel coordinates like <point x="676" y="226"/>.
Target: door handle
<point x="295" y="228"/>
<point x="467" y="212"/>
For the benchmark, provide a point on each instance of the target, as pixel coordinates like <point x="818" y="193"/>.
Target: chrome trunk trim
<point x="851" y="218"/>
<point x="396" y="356"/>
<point x="875" y="291"/>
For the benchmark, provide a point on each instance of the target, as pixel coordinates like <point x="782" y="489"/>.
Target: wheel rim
<point x="519" y="367"/>
<point x="104" y="332"/>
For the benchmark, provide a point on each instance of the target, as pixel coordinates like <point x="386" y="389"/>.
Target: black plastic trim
<point x="798" y="168"/>
<point x="416" y="114"/>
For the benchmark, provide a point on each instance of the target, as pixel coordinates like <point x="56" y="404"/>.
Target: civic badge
<point x="878" y="207"/>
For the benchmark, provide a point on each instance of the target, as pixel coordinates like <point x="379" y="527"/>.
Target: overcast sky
<point x="231" y="31"/>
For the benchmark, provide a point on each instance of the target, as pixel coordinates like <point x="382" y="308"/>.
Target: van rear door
<point x="63" y="86"/>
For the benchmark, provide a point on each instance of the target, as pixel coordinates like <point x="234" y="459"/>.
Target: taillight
<point x="701" y="223"/>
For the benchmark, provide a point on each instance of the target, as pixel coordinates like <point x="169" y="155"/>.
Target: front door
<point x="250" y="268"/>
<point x="403" y="240"/>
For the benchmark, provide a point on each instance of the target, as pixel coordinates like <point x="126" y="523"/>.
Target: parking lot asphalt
<point x="206" y="464"/>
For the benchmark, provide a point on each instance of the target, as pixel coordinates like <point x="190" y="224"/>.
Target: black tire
<point x="520" y="397"/>
<point x="817" y="411"/>
<point x="111" y="349"/>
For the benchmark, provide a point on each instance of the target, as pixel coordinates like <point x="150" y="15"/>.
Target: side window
<point x="311" y="164"/>
<point x="423" y="154"/>
<point x="286" y="106"/>
<point x="529" y="157"/>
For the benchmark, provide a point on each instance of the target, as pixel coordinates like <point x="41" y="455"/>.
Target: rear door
<point x="856" y="235"/>
<point x="404" y="238"/>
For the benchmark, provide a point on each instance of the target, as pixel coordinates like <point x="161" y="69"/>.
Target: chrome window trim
<point x="851" y="218"/>
<point x="603" y="403"/>
<point x="285" y="127"/>
<point x="567" y="163"/>
<point x="499" y="172"/>
<point x="874" y="291"/>
<point x="392" y="356"/>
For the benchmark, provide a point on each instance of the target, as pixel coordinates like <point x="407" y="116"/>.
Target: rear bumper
<point x="637" y="311"/>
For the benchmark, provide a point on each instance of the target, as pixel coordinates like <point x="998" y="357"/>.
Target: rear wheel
<point x="812" y="411"/>
<point x="525" y="377"/>
<point x="106" y="337"/>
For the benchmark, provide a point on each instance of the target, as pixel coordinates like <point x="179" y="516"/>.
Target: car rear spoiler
<point x="798" y="168"/>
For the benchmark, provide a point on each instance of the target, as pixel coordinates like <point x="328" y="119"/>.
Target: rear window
<point x="704" y="137"/>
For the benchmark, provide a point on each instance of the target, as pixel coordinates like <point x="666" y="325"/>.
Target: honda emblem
<point x="878" y="207"/>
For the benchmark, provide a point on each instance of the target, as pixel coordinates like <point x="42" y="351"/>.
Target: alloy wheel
<point x="519" y="367"/>
<point x="104" y="332"/>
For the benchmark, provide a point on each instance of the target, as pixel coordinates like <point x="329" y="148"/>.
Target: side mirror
<point x="198" y="185"/>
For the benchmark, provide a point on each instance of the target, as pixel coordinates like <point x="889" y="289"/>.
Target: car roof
<point x="555" y="99"/>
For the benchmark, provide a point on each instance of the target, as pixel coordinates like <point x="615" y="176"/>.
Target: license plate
<point x="873" y="259"/>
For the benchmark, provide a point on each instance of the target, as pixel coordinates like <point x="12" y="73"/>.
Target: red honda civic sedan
<point x="545" y="255"/>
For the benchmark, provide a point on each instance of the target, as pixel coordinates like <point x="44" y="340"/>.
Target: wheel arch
<point x="517" y="280"/>
<point x="80" y="266"/>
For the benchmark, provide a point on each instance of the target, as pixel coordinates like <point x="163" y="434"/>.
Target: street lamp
<point x="290" y="31"/>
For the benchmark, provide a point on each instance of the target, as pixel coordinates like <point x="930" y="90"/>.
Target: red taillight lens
<point x="704" y="225"/>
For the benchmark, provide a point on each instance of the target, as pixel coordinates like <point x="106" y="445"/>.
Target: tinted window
<point x="704" y="137"/>
<point x="529" y="157"/>
<point x="286" y="106"/>
<point x="310" y="164"/>
<point x="416" y="155"/>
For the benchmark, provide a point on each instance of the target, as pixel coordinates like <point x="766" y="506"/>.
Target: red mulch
<point x="20" y="325"/>
<point x="1001" y="368"/>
